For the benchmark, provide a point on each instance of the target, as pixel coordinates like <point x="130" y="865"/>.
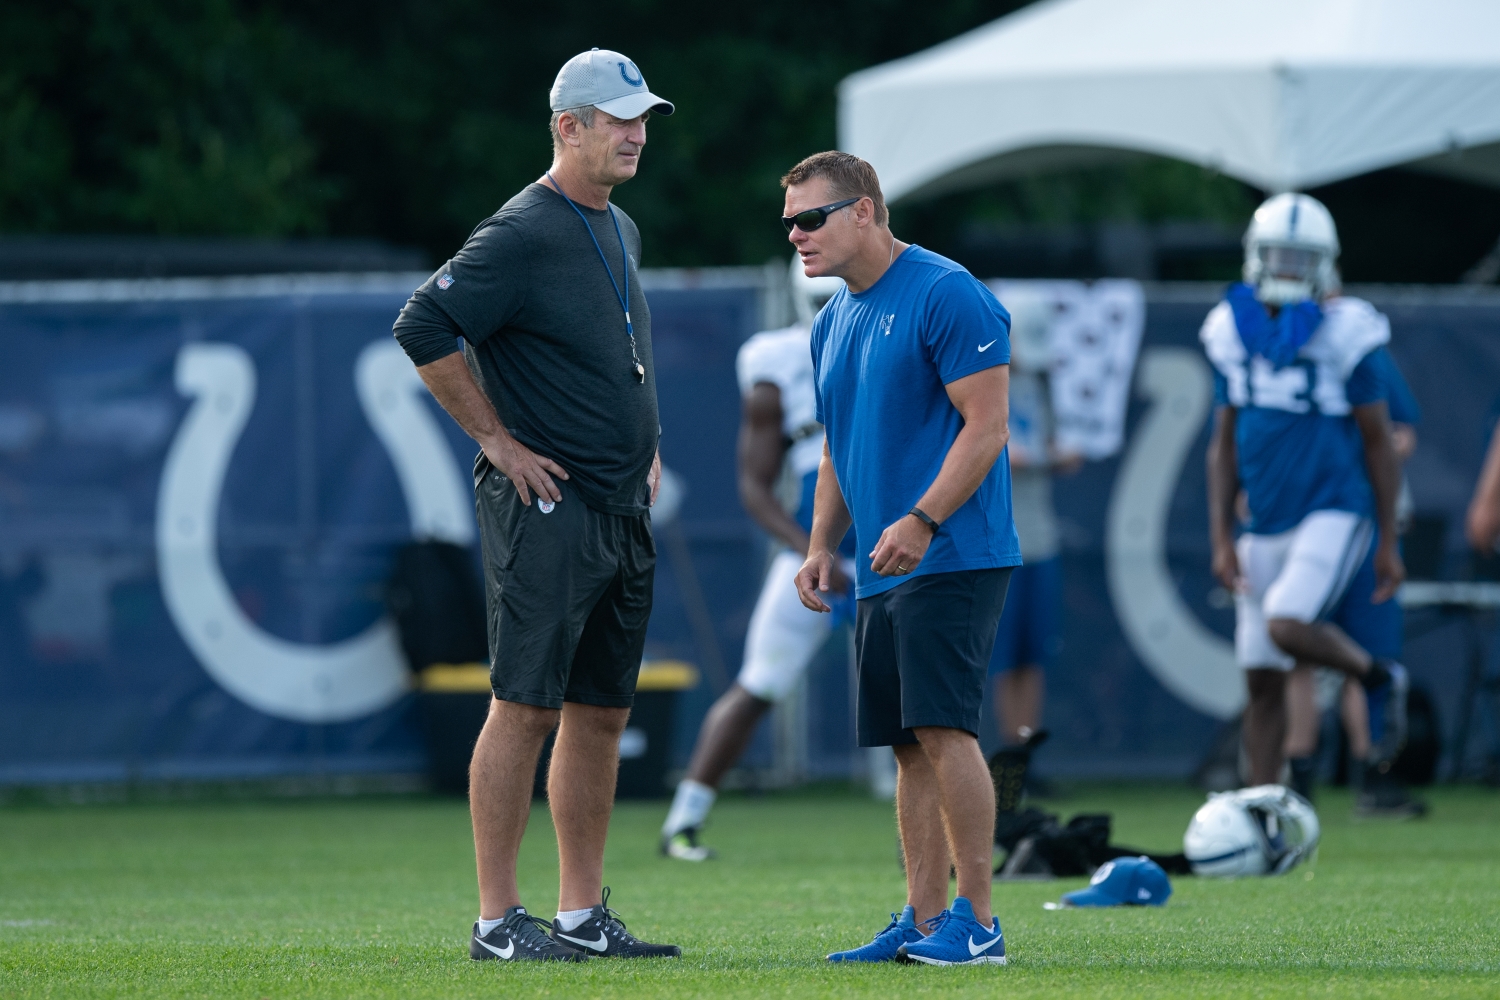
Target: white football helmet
<point x="1290" y="250"/>
<point x="1030" y="327"/>
<point x="811" y="294"/>
<point x="1265" y="830"/>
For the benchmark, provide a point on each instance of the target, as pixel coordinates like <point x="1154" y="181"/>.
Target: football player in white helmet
<point x="1266" y="830"/>
<point x="1301" y="425"/>
<point x="778" y="435"/>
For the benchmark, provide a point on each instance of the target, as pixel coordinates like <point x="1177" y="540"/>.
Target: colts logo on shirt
<point x="445" y="282"/>
<point x="886" y="322"/>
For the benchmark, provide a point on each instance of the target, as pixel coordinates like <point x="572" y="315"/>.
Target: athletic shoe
<point x="603" y="934"/>
<point x="957" y="939"/>
<point x="683" y="845"/>
<point x="899" y="931"/>
<point x="1381" y="795"/>
<point x="519" y="937"/>
<point x="1388" y="703"/>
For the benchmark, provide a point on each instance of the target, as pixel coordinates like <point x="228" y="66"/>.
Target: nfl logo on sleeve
<point x="445" y="281"/>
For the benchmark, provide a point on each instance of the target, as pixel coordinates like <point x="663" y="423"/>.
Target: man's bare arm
<point x="983" y="400"/>
<point x="1483" y="521"/>
<point x="1384" y="470"/>
<point x="831" y="521"/>
<point x="759" y="455"/>
<point x="1223" y="488"/>
<point x="451" y="384"/>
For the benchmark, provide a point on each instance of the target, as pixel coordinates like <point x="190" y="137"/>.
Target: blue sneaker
<point x="957" y="939"/>
<point x="899" y="931"/>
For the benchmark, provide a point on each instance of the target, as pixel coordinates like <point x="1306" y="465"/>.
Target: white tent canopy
<point x="1282" y="94"/>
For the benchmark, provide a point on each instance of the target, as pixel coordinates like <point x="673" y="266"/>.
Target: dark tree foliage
<point x="410" y="121"/>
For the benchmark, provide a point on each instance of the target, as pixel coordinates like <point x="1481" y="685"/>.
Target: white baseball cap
<point x="609" y="82"/>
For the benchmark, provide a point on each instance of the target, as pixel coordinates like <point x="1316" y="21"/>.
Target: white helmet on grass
<point x="1265" y="830"/>
<point x="1290" y="250"/>
<point x="811" y="294"/>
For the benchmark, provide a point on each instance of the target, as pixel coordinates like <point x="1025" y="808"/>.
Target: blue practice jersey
<point x="882" y="360"/>
<point x="1297" y="445"/>
<point x="1394" y="389"/>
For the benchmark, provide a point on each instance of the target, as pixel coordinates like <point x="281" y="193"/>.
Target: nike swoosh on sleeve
<point x="986" y="347"/>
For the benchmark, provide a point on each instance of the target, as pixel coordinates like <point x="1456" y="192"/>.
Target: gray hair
<point x="584" y="114"/>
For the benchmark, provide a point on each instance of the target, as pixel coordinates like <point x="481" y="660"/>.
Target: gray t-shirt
<point x="545" y="338"/>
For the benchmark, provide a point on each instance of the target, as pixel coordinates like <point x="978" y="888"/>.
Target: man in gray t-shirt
<point x="557" y="384"/>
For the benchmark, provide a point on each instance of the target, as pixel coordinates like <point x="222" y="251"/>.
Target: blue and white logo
<point x="886" y="322"/>
<point x="445" y="282"/>
<point x="545" y="505"/>
<point x="626" y="69"/>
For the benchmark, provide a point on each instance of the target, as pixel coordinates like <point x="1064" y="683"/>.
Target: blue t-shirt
<point x="881" y="360"/>
<point x="1298" y="447"/>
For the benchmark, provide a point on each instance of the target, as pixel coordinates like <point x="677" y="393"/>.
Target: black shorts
<point x="568" y="595"/>
<point x="922" y="650"/>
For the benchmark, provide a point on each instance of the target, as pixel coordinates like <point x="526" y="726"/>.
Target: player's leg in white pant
<point x="782" y="640"/>
<point x="1327" y="549"/>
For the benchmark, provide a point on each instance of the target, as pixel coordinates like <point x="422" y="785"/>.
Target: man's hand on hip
<point x="653" y="478"/>
<point x="816" y="577"/>
<point x="901" y="547"/>
<point x="527" y="471"/>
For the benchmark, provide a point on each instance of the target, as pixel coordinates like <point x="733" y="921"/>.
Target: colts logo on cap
<point x="626" y="68"/>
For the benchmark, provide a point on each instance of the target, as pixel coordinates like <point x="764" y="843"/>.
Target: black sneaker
<point x="604" y="934"/>
<point x="519" y="937"/>
<point x="1382" y="795"/>
<point x="1392" y="696"/>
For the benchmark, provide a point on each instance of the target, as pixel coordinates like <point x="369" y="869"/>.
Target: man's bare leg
<point x="1018" y="702"/>
<point x="501" y="777"/>
<point x="1323" y="643"/>
<point x="968" y="809"/>
<point x="919" y="820"/>
<point x="1302" y="712"/>
<point x="1355" y="711"/>
<point x="1264" y="725"/>
<point x="581" y="792"/>
<point x="726" y="732"/>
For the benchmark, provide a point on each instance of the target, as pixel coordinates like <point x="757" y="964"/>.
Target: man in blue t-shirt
<point x="911" y="372"/>
<point x="1302" y="426"/>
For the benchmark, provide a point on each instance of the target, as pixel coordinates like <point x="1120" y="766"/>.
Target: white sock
<point x="690" y="806"/>
<point x="568" y="919"/>
<point x="485" y="926"/>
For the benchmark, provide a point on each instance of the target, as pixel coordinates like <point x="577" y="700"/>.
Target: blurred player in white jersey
<point x="778" y="436"/>
<point x="1302" y="425"/>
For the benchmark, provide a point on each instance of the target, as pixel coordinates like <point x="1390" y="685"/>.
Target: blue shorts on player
<point x="1031" y="626"/>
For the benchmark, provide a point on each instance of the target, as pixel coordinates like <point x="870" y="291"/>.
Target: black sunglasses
<point x="814" y="218"/>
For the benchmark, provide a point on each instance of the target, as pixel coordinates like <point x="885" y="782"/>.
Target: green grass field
<point x="374" y="897"/>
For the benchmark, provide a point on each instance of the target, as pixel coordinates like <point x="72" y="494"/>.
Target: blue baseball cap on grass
<point x="1124" y="882"/>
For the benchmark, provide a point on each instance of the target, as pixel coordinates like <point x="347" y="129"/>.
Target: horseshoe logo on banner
<point x="1191" y="660"/>
<point x="298" y="681"/>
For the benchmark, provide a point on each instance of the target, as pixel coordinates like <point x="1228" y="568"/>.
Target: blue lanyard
<point x="639" y="369"/>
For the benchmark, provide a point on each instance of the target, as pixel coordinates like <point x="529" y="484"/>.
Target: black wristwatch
<point x="917" y="513"/>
